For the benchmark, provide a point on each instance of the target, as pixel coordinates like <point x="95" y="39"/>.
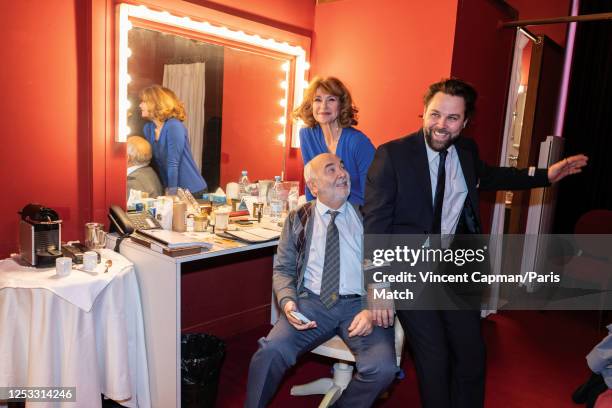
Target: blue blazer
<point x="354" y="149"/>
<point x="172" y="156"/>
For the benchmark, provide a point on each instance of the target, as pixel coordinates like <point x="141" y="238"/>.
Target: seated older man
<point x="318" y="273"/>
<point x="140" y="176"/>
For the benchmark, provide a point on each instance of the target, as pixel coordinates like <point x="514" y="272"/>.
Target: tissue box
<point x="214" y="198"/>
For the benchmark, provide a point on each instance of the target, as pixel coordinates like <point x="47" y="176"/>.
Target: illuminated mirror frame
<point x="127" y="12"/>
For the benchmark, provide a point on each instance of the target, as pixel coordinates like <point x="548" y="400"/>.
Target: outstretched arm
<point x="567" y="166"/>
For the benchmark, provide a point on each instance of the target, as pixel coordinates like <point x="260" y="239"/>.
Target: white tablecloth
<point x="77" y="288"/>
<point x="46" y="340"/>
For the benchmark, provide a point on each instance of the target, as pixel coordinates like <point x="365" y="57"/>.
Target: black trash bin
<point x="201" y="359"/>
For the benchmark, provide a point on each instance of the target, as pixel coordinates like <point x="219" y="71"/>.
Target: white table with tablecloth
<point x="84" y="330"/>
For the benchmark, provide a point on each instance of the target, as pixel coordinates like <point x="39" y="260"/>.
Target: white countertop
<point x="214" y="252"/>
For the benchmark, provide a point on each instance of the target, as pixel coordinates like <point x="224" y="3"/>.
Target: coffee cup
<point x="63" y="266"/>
<point x="221" y="220"/>
<point x="90" y="261"/>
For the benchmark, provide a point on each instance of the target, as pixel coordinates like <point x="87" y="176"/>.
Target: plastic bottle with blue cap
<point x="276" y="203"/>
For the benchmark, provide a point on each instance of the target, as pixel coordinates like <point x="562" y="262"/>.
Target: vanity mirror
<point x="238" y="89"/>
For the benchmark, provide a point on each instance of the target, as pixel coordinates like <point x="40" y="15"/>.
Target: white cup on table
<point x="90" y="261"/>
<point x="63" y="266"/>
<point x="221" y="220"/>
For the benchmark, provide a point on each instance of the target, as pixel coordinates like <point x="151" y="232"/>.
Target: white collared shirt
<point x="132" y="169"/>
<point x="455" y="187"/>
<point x="350" y="231"/>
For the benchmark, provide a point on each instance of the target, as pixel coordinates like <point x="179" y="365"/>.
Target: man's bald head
<point x="316" y="164"/>
<point x="138" y="151"/>
<point x="327" y="179"/>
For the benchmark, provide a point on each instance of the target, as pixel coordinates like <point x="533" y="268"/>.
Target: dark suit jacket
<point x="398" y="186"/>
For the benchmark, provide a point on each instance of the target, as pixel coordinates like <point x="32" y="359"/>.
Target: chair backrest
<point x="594" y="222"/>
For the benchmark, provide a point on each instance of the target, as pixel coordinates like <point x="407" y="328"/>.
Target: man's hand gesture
<point x="567" y="166"/>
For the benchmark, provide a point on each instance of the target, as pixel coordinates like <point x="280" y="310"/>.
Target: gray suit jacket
<point x="145" y="179"/>
<point x="292" y="256"/>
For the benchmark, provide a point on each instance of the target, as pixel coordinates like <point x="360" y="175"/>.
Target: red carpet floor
<point x="534" y="359"/>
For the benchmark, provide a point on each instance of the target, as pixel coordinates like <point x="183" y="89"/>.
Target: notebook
<point x="253" y="235"/>
<point x="173" y="239"/>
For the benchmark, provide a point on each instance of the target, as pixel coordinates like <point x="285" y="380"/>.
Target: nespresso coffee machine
<point x="40" y="233"/>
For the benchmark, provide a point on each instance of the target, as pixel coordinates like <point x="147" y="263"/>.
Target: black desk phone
<point x="126" y="223"/>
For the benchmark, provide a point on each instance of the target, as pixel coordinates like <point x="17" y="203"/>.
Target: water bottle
<point x="243" y="185"/>
<point x="276" y="203"/>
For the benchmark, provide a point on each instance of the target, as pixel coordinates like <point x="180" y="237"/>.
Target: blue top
<point x="173" y="157"/>
<point x="354" y="149"/>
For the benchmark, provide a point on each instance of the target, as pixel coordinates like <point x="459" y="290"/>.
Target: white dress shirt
<point x="350" y="231"/>
<point x="455" y="187"/>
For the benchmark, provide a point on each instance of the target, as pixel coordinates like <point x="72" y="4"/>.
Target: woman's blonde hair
<point x="162" y="103"/>
<point x="347" y="115"/>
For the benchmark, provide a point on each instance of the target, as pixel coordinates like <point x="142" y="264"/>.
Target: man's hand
<point x="567" y="166"/>
<point x="383" y="310"/>
<point x="361" y="324"/>
<point x="290" y="306"/>
<point x="383" y="317"/>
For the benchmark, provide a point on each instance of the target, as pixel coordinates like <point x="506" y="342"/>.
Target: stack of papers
<point x="253" y="235"/>
<point x="174" y="240"/>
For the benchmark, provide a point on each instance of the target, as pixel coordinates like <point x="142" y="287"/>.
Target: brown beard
<point x="451" y="140"/>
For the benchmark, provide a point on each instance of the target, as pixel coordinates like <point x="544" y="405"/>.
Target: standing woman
<point x="169" y="139"/>
<point x="329" y="115"/>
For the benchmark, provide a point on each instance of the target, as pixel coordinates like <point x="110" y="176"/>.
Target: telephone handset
<point x="119" y="221"/>
<point x="126" y="223"/>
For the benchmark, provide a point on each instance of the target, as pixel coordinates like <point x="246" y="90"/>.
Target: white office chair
<point x="332" y="388"/>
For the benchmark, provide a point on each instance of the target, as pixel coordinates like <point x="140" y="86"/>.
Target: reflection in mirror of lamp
<point x="127" y="11"/>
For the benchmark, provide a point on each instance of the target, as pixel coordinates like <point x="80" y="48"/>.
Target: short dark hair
<point x="454" y="87"/>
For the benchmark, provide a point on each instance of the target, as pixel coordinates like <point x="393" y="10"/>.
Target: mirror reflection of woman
<point x="170" y="141"/>
<point x="329" y="115"/>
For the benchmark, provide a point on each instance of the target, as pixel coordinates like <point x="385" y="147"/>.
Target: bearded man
<point x="427" y="183"/>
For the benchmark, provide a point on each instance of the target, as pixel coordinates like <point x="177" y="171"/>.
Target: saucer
<point x="82" y="269"/>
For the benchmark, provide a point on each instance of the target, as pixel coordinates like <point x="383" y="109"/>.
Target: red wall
<point x="250" y="116"/>
<point x="46" y="149"/>
<point x="291" y="15"/>
<point x="387" y="53"/>
<point x="530" y="9"/>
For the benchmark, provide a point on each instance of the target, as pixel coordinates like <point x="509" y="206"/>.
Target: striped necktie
<point x="330" y="281"/>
